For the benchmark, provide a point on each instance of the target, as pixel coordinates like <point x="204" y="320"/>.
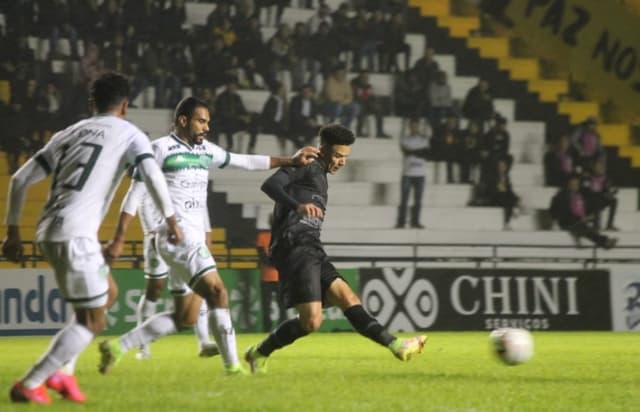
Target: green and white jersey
<point x="186" y="170"/>
<point x="87" y="161"/>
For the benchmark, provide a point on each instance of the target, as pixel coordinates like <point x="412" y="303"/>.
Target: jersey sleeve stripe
<point x="141" y="157"/>
<point x="43" y="163"/>
<point x="227" y="159"/>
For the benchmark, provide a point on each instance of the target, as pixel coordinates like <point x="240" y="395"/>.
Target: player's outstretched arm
<point x="302" y="157"/>
<point x="159" y="192"/>
<point x="31" y="172"/>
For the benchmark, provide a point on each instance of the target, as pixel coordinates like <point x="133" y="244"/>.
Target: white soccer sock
<point x="220" y="321"/>
<point x="201" y="328"/>
<point x="70" y="367"/>
<point x="67" y="344"/>
<point x="145" y="309"/>
<point x="153" y="328"/>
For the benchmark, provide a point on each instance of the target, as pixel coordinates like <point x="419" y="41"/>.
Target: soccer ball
<point x="512" y="346"/>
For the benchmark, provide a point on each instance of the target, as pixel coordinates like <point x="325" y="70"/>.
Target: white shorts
<point x="81" y="272"/>
<point x="154" y="266"/>
<point x="188" y="261"/>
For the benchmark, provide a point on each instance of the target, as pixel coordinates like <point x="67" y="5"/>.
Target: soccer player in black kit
<point x="308" y="280"/>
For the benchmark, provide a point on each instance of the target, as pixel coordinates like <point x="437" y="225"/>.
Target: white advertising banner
<point x="625" y="297"/>
<point x="31" y="303"/>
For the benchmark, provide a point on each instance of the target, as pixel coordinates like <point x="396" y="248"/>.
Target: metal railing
<point x="382" y="253"/>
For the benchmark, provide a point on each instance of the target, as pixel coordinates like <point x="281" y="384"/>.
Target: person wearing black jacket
<point x="570" y="209"/>
<point x="601" y="194"/>
<point x="232" y="117"/>
<point x="303" y="113"/>
<point x="307" y="278"/>
<point x="273" y="115"/>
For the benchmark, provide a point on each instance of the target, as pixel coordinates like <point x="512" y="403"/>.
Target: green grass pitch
<point x="345" y="372"/>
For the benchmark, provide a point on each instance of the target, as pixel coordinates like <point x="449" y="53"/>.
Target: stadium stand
<point x="364" y="196"/>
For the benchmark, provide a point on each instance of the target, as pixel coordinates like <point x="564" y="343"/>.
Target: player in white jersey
<point x="86" y="161"/>
<point x="156" y="272"/>
<point x="186" y="159"/>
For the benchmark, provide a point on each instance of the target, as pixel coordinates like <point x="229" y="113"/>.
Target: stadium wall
<point x="405" y="299"/>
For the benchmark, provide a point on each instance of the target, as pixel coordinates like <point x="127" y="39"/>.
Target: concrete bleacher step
<point x="382" y="217"/>
<point x="625" y="221"/>
<point x="539" y="197"/>
<point x="464" y="237"/>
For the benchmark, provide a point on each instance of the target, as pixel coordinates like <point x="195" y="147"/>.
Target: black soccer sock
<point x="285" y="334"/>
<point x="368" y="326"/>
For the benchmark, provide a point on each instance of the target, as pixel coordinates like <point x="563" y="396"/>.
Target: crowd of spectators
<point x="51" y="50"/>
<point x="577" y="165"/>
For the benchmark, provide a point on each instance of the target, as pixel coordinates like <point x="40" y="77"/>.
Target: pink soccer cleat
<point x="36" y="395"/>
<point x="67" y="386"/>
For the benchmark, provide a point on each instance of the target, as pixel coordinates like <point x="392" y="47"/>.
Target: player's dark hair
<point x="187" y="106"/>
<point x="335" y="134"/>
<point x="109" y="90"/>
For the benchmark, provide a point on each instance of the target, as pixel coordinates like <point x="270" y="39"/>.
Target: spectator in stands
<point x="212" y="62"/>
<point x="173" y="19"/>
<point x="118" y="56"/>
<point x="90" y="63"/>
<point x="426" y="69"/>
<point x="587" y="142"/>
<point x="368" y="39"/>
<point x="232" y="117"/>
<point x="324" y="51"/>
<point x="469" y="154"/>
<point x="478" y="105"/>
<point x="415" y="148"/>
<point x="300" y="55"/>
<point x="112" y="20"/>
<point x="499" y="191"/>
<point x="303" y="113"/>
<point x="369" y="103"/>
<point x="600" y="194"/>
<point x="217" y="15"/>
<point x="394" y="43"/>
<point x="338" y="97"/>
<point x="226" y="32"/>
<point x="15" y="130"/>
<point x="249" y="44"/>
<point x="249" y="77"/>
<point x="559" y="162"/>
<point x="342" y="28"/>
<point x="409" y="96"/>
<point x="273" y="116"/>
<point x="496" y="145"/>
<point x="280" y="49"/>
<point x="52" y="103"/>
<point x="570" y="209"/>
<point x="446" y="143"/>
<point x="440" y="100"/>
<point x="323" y="15"/>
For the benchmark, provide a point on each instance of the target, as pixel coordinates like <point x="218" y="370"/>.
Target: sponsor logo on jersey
<point x="181" y="161"/>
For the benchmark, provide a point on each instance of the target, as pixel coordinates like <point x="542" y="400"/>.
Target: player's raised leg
<point x="89" y="297"/>
<point x="206" y="348"/>
<point x="308" y="320"/>
<point x="147" y="304"/>
<point x="340" y="294"/>
<point x="186" y="308"/>
<point x="213" y="291"/>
